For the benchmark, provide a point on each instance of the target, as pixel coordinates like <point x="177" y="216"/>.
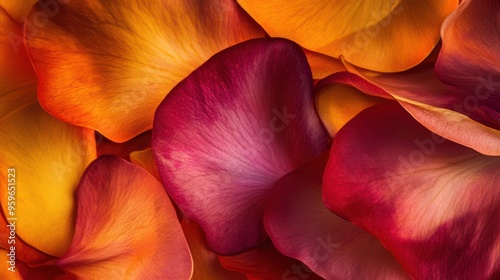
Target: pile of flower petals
<point x="237" y="139"/>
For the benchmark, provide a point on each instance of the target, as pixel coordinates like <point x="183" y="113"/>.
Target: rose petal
<point x="301" y="227"/>
<point x="125" y="56"/>
<point x="433" y="203"/>
<point x="265" y="262"/>
<point x="17" y="78"/>
<point x="224" y="136"/>
<point x="206" y="264"/>
<point x="49" y="157"/>
<point x="386" y="36"/>
<point x="337" y="104"/>
<point x="17" y="9"/>
<point x="23" y="252"/>
<point x="430" y="102"/>
<point x="126" y="227"/>
<point x="5" y="273"/>
<point x="145" y="160"/>
<point x="323" y="65"/>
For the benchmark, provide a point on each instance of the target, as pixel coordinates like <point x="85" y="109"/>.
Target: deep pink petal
<point x="126" y="227"/>
<point x="301" y="227"/>
<point x="228" y="132"/>
<point x="433" y="203"/>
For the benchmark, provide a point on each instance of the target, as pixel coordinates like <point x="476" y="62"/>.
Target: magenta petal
<point x="301" y="227"/>
<point x="230" y="130"/>
<point x="433" y="203"/>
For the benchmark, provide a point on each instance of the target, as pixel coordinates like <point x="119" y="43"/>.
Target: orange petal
<point x="206" y="264"/>
<point x="18" y="9"/>
<point x="45" y="158"/>
<point x="126" y="227"/>
<point x="107" y="65"/>
<point x="5" y="272"/>
<point x="386" y="36"/>
<point x="337" y="104"/>
<point x="145" y="160"/>
<point x="323" y="65"/>
<point x="17" y="78"/>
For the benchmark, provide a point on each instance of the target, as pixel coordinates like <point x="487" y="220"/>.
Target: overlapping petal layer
<point x="108" y="64"/>
<point x="17" y="78"/>
<point x="469" y="60"/>
<point x="228" y="132"/>
<point x="18" y="9"/>
<point x="302" y="227"/>
<point x="386" y="36"/>
<point x="429" y="101"/>
<point x="49" y="157"/>
<point x="337" y="104"/>
<point x="206" y="264"/>
<point x="126" y="227"/>
<point x="433" y="203"/>
<point x="265" y="262"/>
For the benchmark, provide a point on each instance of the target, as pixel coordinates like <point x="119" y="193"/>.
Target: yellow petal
<point x="108" y="64"/>
<point x="337" y="104"/>
<point x="47" y="158"/>
<point x="381" y="35"/>
<point x="145" y="160"/>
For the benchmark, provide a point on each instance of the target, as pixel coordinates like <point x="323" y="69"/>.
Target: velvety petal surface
<point x="433" y="203"/>
<point x="228" y="132"/>
<point x="470" y="56"/>
<point x="107" y="65"/>
<point x="48" y="157"/>
<point x="265" y="262"/>
<point x="17" y="78"/>
<point x="301" y="227"/>
<point x="126" y="227"/>
<point x="437" y="106"/>
<point x="386" y="36"/>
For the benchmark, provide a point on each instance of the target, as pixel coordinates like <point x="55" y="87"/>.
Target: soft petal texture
<point x="49" y="157"/>
<point x="265" y="262"/>
<point x="108" y="147"/>
<point x="107" y="65"/>
<point x="337" y="104"/>
<point x="17" y="78"/>
<point x="433" y="203"/>
<point x="224" y="136"/>
<point x="145" y="159"/>
<point x="301" y="227"/>
<point x="126" y="227"/>
<point x="206" y="264"/>
<point x="432" y="103"/>
<point x="386" y="36"/>
<point x="469" y="60"/>
<point x="24" y="252"/>
<point x="18" y="9"/>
